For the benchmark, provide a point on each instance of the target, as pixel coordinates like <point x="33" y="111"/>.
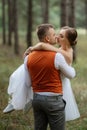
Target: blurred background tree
<point x="18" y="17"/>
<point x="29" y="23"/>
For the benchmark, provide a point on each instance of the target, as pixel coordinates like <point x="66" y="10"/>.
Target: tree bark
<point x="71" y="15"/>
<point x="63" y="15"/>
<point x="71" y="22"/>
<point x="3" y="22"/>
<point x="10" y="19"/>
<point x="86" y="15"/>
<point x="29" y="29"/>
<point x="45" y="10"/>
<point x="15" y="23"/>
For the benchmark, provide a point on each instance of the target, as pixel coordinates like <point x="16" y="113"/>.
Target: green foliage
<point x="54" y="13"/>
<point x="80" y="13"/>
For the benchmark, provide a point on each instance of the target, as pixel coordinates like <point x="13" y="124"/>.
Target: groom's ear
<point x="47" y="39"/>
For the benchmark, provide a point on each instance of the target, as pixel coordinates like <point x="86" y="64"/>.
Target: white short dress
<point x="21" y="91"/>
<point x="19" y="88"/>
<point x="71" y="109"/>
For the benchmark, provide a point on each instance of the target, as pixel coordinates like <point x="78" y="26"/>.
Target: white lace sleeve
<point x="61" y="64"/>
<point x="27" y="74"/>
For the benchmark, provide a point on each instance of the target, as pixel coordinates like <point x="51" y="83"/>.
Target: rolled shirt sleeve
<point x="27" y="74"/>
<point x="61" y="64"/>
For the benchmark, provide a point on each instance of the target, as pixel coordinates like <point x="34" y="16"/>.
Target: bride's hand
<point x="27" y="52"/>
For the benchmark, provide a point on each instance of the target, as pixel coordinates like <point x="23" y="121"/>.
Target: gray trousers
<point x="49" y="110"/>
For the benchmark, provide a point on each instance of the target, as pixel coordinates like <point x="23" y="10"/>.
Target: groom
<point x="44" y="68"/>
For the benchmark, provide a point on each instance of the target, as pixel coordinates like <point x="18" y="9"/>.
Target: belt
<point x="47" y="97"/>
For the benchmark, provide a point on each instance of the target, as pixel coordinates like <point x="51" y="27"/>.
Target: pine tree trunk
<point x="10" y="19"/>
<point x="45" y="10"/>
<point x="86" y="15"/>
<point x="15" y="25"/>
<point x="29" y="29"/>
<point x="63" y="15"/>
<point x="3" y="22"/>
<point x="71" y="11"/>
<point x="71" y="22"/>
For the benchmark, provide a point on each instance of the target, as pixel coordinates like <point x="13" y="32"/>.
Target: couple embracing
<point x="48" y="72"/>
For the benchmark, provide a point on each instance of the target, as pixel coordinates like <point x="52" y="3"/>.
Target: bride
<point x="21" y="92"/>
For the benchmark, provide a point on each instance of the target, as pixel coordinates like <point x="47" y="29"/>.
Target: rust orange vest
<point x="44" y="76"/>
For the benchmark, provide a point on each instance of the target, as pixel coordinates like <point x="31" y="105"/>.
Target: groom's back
<point x="44" y="76"/>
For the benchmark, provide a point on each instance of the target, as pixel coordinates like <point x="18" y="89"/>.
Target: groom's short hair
<point x="42" y="30"/>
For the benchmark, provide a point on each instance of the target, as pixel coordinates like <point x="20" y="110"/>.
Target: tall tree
<point x="29" y="29"/>
<point x="86" y="14"/>
<point x="15" y="25"/>
<point x="71" y="13"/>
<point x="3" y="22"/>
<point x="10" y="19"/>
<point x="63" y="15"/>
<point x="68" y="17"/>
<point x="45" y="10"/>
<point x="71" y="21"/>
